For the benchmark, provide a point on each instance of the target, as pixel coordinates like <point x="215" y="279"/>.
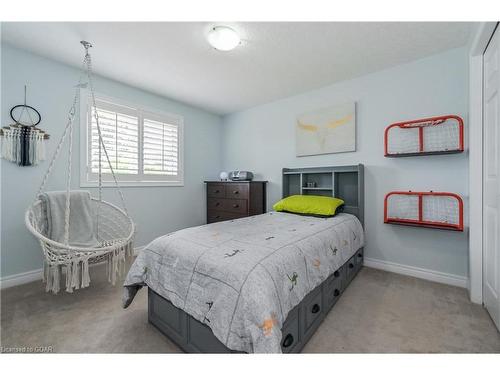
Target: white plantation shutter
<point x="161" y="151"/>
<point x="120" y="134"/>
<point x="145" y="148"/>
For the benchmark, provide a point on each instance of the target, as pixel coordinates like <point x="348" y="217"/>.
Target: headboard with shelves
<point x="344" y="182"/>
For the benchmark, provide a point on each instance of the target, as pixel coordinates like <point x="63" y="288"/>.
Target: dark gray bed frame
<point x="192" y="336"/>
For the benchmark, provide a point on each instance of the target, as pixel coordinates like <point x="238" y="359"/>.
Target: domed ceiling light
<point x="223" y="38"/>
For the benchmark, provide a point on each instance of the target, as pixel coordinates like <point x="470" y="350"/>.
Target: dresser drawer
<point x="216" y="190"/>
<point x="214" y="216"/>
<point x="235" y="205"/>
<point x="237" y="191"/>
<point x="215" y="203"/>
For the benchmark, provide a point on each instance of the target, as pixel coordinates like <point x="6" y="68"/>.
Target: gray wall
<point x="262" y="139"/>
<point x="156" y="210"/>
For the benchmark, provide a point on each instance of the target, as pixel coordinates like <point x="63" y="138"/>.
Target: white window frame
<point x="89" y="179"/>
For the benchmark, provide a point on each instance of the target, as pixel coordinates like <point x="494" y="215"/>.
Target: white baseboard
<point x="21" y="278"/>
<point x="34" y="275"/>
<point x="138" y="249"/>
<point x="421" y="273"/>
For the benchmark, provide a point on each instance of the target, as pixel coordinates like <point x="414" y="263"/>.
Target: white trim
<point x="35" y="275"/>
<point x="481" y="38"/>
<point x="21" y="278"/>
<point x="421" y="273"/>
<point x="138" y="249"/>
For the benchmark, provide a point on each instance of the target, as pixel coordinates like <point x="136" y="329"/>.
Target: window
<point x="144" y="147"/>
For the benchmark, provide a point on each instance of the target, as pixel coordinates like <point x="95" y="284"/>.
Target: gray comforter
<point x="242" y="277"/>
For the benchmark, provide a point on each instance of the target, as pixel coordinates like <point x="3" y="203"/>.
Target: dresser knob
<point x="236" y="205"/>
<point x="336" y="292"/>
<point x="217" y="204"/>
<point x="336" y="274"/>
<point x="360" y="255"/>
<point x="236" y="192"/>
<point x="217" y="217"/>
<point x="217" y="191"/>
<point x="351" y="265"/>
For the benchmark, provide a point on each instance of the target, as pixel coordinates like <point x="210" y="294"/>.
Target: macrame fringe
<point x="53" y="279"/>
<point x="77" y="271"/>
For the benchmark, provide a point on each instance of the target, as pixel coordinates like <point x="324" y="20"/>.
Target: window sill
<point x="125" y="184"/>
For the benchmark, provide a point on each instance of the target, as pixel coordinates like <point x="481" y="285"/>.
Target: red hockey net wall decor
<point x="428" y="136"/>
<point x="426" y="209"/>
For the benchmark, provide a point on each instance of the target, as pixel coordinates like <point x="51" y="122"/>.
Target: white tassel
<point x="109" y="266"/>
<point x="69" y="278"/>
<point x="56" y="279"/>
<point x="115" y="267"/>
<point x="76" y="275"/>
<point x="45" y="275"/>
<point x="85" y="273"/>
<point x="48" y="285"/>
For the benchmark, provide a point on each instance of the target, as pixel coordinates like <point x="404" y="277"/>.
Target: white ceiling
<point x="275" y="60"/>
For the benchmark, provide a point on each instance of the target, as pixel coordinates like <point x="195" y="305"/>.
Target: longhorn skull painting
<point x="327" y="131"/>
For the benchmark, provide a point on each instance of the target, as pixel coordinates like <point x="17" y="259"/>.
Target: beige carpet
<point x="379" y="312"/>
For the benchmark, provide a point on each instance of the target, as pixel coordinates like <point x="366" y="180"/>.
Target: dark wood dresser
<point x="228" y="200"/>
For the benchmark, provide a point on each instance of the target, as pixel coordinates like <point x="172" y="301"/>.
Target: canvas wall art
<point x="327" y="131"/>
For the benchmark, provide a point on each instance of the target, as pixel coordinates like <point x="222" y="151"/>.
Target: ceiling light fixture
<point x="223" y="38"/>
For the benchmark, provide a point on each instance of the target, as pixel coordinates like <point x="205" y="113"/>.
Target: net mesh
<point x="435" y="208"/>
<point x="401" y="206"/>
<point x="437" y="136"/>
<point x="440" y="209"/>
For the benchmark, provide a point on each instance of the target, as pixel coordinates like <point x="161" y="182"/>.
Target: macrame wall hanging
<point x="22" y="142"/>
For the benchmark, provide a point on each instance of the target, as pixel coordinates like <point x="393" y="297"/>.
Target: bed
<point x="261" y="284"/>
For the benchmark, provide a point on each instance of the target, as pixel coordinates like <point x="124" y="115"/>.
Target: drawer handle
<point x="351" y="265"/>
<point x="236" y="205"/>
<point x="217" y="191"/>
<point x="236" y="192"/>
<point x="360" y="255"/>
<point x="336" y="274"/>
<point x="315" y="309"/>
<point x="288" y="340"/>
<point x="336" y="292"/>
<point x="217" y="217"/>
<point x="217" y="204"/>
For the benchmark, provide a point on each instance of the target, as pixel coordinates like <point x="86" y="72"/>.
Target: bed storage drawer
<point x="313" y="311"/>
<point x="202" y="338"/>
<point x="216" y="190"/>
<point x="359" y="259"/>
<point x="333" y="289"/>
<point x="237" y="191"/>
<point x="350" y="269"/>
<point x="290" y="331"/>
<point x="167" y="318"/>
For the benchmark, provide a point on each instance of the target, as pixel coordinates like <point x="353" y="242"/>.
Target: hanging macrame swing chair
<point x="113" y="229"/>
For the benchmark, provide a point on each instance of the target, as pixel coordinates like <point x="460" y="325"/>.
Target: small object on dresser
<point x="240" y="176"/>
<point x="223" y="176"/>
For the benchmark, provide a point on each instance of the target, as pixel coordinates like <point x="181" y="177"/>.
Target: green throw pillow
<point x="314" y="205"/>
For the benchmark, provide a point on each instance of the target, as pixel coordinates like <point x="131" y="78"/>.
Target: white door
<point x="491" y="176"/>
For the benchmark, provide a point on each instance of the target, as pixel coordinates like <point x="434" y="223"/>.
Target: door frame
<point x="478" y="46"/>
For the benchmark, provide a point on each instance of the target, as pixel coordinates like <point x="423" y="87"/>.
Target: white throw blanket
<point x="81" y="224"/>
